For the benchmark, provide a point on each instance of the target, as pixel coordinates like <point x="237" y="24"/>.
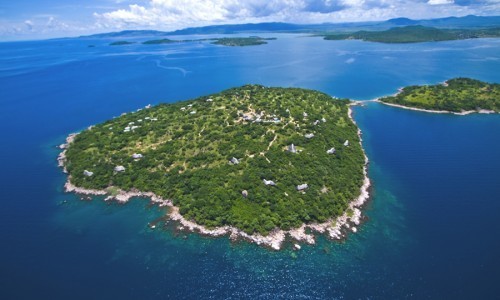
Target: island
<point x="252" y="162"/>
<point x="231" y="42"/>
<point x="160" y="41"/>
<point x="242" y="41"/>
<point x="121" y="43"/>
<point x="459" y="96"/>
<point x="414" y="34"/>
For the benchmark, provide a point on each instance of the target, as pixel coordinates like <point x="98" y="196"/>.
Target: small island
<point x="160" y="41"/>
<point x="414" y="34"/>
<point x="253" y="162"/>
<point x="242" y="41"/>
<point x="459" y="96"/>
<point x="121" y="43"/>
<point x="231" y="42"/>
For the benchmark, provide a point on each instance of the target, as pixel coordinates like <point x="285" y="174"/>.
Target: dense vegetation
<point x="187" y="147"/>
<point x="415" y="34"/>
<point x="459" y="94"/>
<point x="247" y="41"/>
<point x="121" y="43"/>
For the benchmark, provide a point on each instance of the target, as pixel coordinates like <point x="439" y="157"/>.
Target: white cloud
<point x="29" y="25"/>
<point x="175" y="14"/>
<point x="440" y="2"/>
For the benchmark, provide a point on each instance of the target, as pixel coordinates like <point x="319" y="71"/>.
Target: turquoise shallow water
<point x="431" y="229"/>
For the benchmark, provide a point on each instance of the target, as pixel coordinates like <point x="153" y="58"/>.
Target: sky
<point x="37" y="19"/>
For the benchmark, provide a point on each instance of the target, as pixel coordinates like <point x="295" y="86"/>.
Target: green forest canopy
<point x="187" y="146"/>
<point x="459" y="94"/>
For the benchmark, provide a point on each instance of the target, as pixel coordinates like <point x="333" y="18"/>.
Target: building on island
<point x="302" y="187"/>
<point x="88" y="173"/>
<point x="119" y="168"/>
<point x="137" y="156"/>
<point x="292" y="149"/>
<point x="269" y="182"/>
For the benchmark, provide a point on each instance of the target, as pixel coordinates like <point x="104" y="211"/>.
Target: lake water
<point x="432" y="229"/>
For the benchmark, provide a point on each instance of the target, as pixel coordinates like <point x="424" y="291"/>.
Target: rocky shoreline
<point x="462" y="113"/>
<point x="335" y="228"/>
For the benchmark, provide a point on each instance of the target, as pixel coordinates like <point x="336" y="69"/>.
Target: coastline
<point x="444" y="83"/>
<point x="335" y="228"/>
<point x="462" y="113"/>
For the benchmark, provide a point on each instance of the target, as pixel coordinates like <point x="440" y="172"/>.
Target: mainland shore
<point x="335" y="228"/>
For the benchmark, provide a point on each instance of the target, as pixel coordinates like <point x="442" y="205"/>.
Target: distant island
<point x="121" y="43"/>
<point x="253" y="162"/>
<point x="415" y="34"/>
<point x="248" y="41"/>
<point x="459" y="95"/>
<point x="161" y="41"/>
<point x="232" y="42"/>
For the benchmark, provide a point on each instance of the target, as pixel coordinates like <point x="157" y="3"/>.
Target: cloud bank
<point x="175" y="14"/>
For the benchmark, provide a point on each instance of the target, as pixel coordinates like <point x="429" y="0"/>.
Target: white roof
<point x="119" y="168"/>
<point x="301" y="187"/>
<point x="268" y="182"/>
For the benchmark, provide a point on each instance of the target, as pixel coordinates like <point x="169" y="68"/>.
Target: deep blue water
<point x="432" y="228"/>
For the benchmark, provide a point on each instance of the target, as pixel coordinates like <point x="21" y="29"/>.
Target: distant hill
<point x="238" y="28"/>
<point x="470" y="21"/>
<point x="467" y="22"/>
<point x="402" y="22"/>
<point x="127" y="33"/>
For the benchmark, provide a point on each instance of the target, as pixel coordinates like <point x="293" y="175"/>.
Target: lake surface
<point x="432" y="227"/>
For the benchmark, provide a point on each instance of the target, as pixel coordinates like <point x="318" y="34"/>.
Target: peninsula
<point x="459" y="96"/>
<point x="414" y="34"/>
<point x="252" y="162"/>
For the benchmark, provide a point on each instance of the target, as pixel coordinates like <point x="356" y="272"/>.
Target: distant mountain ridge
<point x="470" y="21"/>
